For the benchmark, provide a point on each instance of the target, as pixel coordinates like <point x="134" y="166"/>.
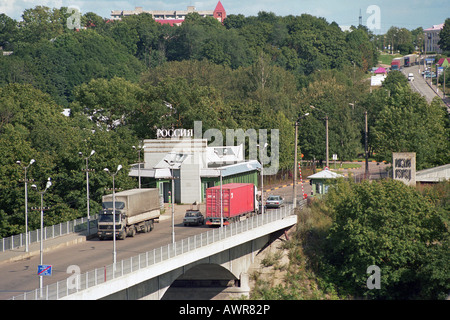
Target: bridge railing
<point x="98" y="276"/>
<point x="64" y="228"/>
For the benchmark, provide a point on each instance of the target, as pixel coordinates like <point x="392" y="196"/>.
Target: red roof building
<point x="444" y="62"/>
<point x="172" y="17"/>
<point x="219" y="12"/>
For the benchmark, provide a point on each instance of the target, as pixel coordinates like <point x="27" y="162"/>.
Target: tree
<point x="395" y="81"/>
<point x="7" y="31"/>
<point x="444" y="36"/>
<point x="400" y="39"/>
<point x="42" y="23"/>
<point x="407" y="123"/>
<point x="74" y="58"/>
<point x="108" y="102"/>
<point x="330" y="93"/>
<point x="389" y="225"/>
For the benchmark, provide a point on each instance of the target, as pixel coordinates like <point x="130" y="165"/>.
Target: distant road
<point x="421" y="86"/>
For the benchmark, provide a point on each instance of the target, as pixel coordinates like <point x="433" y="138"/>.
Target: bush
<point x="394" y="227"/>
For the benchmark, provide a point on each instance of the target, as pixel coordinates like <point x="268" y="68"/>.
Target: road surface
<point x="423" y="86"/>
<point x="21" y="276"/>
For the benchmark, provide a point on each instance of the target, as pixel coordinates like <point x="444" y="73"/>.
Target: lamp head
<point x="49" y="184"/>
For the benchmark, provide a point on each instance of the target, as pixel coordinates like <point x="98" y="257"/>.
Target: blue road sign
<point x="44" y="270"/>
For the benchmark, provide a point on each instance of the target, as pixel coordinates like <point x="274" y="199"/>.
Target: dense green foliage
<point x="444" y="36"/>
<point x="122" y="79"/>
<point x="394" y="227"/>
<point x="401" y="230"/>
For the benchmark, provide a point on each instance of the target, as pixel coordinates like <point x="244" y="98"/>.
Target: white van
<point x="410" y="77"/>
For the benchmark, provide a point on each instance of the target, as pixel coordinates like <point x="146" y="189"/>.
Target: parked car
<point x="194" y="217"/>
<point x="429" y="74"/>
<point x="274" y="201"/>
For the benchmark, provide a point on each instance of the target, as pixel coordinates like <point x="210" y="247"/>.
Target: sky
<point x="378" y="15"/>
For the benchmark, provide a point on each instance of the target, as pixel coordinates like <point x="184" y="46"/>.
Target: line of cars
<point x="429" y="74"/>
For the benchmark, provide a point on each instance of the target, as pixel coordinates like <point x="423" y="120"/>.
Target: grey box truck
<point x="136" y="211"/>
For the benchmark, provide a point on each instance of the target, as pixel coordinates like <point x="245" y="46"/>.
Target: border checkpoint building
<point x="194" y="167"/>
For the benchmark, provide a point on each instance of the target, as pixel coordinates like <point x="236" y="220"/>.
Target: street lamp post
<point x="113" y="175"/>
<point x="139" y="149"/>
<point x="48" y="185"/>
<point x="445" y="69"/>
<point x="366" y="142"/>
<point x="173" y="198"/>
<point x="26" y="200"/>
<point x="326" y="136"/>
<point x="262" y="176"/>
<point x="297" y="123"/>
<point x="221" y="200"/>
<point x="87" y="187"/>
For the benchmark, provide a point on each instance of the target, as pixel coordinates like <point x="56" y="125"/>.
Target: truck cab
<point x="106" y="220"/>
<point x="136" y="211"/>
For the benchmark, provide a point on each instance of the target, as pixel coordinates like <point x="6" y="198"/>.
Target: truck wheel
<point x="123" y="235"/>
<point x="132" y="232"/>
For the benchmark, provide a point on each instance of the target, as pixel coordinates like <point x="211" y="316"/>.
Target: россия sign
<point x="174" y="133"/>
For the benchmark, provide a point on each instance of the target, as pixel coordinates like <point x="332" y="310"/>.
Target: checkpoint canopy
<point x="321" y="181"/>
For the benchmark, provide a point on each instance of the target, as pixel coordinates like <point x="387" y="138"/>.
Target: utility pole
<point x="26" y="200"/>
<point x="113" y="175"/>
<point x="41" y="208"/>
<point x="294" y="189"/>
<point x="366" y="145"/>
<point x="87" y="170"/>
<point x="171" y="164"/>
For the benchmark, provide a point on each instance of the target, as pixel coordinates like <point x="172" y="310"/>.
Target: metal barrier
<point x="64" y="228"/>
<point x="101" y="275"/>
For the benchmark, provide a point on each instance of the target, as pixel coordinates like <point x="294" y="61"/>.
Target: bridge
<point x="218" y="255"/>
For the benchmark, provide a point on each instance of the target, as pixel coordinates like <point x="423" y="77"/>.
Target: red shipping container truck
<point x="239" y="200"/>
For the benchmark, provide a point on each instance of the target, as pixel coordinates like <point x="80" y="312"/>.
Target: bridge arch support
<point x="227" y="266"/>
<point x="233" y="249"/>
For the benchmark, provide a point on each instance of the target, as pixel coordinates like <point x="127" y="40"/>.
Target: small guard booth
<point x="321" y="181"/>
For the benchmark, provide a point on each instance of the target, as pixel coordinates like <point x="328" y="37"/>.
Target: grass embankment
<point x="387" y="58"/>
<point x="290" y="271"/>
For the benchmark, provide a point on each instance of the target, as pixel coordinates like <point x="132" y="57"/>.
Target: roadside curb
<point x="52" y="244"/>
<point x="284" y="186"/>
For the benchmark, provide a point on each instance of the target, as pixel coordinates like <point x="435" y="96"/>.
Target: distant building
<point x="444" y="62"/>
<point x="172" y="17"/>
<point x="432" y="38"/>
<point x="194" y="166"/>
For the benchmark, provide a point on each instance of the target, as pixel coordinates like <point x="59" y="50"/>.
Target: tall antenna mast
<point x="360" y="17"/>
